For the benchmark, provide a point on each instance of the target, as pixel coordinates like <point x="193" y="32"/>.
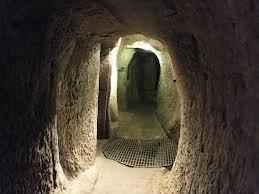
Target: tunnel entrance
<point x="139" y="139"/>
<point x="137" y="87"/>
<point x="142" y="99"/>
<point x="143" y="79"/>
<point x="138" y="95"/>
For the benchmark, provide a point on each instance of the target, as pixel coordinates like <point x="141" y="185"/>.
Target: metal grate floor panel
<point x="142" y="153"/>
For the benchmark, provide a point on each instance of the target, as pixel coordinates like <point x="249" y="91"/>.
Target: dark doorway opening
<point x="143" y="79"/>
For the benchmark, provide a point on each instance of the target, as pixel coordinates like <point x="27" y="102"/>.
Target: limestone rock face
<point x="168" y="110"/>
<point x="216" y="87"/>
<point x="77" y="108"/>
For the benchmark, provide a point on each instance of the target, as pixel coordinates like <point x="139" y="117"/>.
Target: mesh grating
<point x="142" y="153"/>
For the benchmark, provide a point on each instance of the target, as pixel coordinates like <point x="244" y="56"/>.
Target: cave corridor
<point x="77" y="75"/>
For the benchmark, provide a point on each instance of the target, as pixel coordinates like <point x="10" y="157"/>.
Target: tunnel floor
<point x="139" y="122"/>
<point x="116" y="178"/>
<point x="142" y="153"/>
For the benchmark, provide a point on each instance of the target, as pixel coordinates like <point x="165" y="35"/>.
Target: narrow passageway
<point x="131" y="161"/>
<point x="138" y="88"/>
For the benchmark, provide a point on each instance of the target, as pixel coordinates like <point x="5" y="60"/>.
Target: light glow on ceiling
<point x="143" y="45"/>
<point x="146" y="46"/>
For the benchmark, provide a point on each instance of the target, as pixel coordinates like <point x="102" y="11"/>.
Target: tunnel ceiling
<point x="109" y="20"/>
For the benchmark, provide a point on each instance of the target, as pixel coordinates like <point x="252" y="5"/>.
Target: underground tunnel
<point x="78" y="75"/>
<point x="138" y="138"/>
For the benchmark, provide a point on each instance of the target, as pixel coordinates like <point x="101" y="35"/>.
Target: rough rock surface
<point x="216" y="68"/>
<point x="168" y="109"/>
<point x="77" y="108"/>
<point x="104" y="94"/>
<point x="28" y="139"/>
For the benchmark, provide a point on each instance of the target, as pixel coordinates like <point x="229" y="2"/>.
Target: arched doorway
<point x="143" y="79"/>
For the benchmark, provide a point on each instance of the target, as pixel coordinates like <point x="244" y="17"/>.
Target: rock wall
<point x="168" y="100"/>
<point x="28" y="139"/>
<point x="124" y="58"/>
<point x="103" y="121"/>
<point x="77" y="108"/>
<point x="34" y="53"/>
<point x="217" y="71"/>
